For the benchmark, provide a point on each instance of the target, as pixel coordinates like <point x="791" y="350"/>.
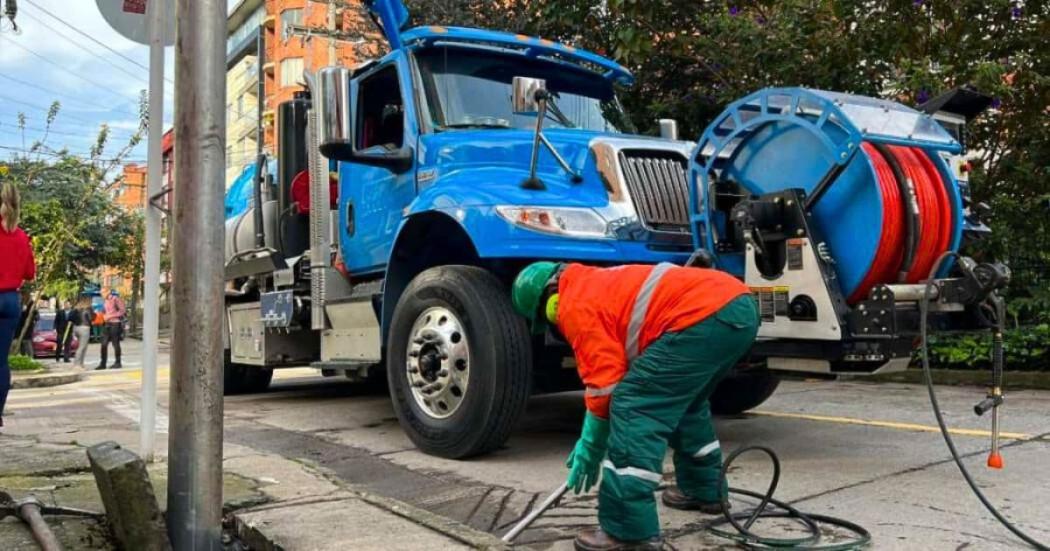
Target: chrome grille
<point x="657" y="183"/>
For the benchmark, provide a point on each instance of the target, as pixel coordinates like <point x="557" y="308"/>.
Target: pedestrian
<point x="64" y="330"/>
<point x="27" y="322"/>
<point x="82" y="316"/>
<point x="17" y="268"/>
<point x="113" y="329"/>
<point x="651" y="344"/>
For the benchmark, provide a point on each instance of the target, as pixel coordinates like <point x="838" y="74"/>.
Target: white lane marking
<point x="127" y="408"/>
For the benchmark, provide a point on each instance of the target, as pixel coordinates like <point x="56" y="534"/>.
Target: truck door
<point x="372" y="196"/>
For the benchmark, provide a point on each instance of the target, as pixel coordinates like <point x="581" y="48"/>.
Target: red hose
<point x="934" y="209"/>
<point x="889" y="255"/>
<point x="935" y="218"/>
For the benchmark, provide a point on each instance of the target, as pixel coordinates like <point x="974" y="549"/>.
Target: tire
<point x="743" y="390"/>
<point x="243" y="379"/>
<point x="489" y="362"/>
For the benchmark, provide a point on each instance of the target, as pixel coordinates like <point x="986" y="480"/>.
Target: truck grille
<point x="658" y="186"/>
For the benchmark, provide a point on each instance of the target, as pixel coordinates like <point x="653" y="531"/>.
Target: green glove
<point x="585" y="461"/>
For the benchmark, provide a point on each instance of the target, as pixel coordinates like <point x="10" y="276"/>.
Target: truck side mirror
<point x="529" y="94"/>
<point x="331" y="101"/>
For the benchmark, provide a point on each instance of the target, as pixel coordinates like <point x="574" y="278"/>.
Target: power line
<point x="82" y="156"/>
<point x="17" y="130"/>
<point x="58" y="122"/>
<point x="91" y="38"/>
<point x="137" y="77"/>
<point x="90" y="124"/>
<point x="65" y="70"/>
<point x="57" y="93"/>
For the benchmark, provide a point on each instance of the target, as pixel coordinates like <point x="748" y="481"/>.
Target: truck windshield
<point x="472" y="89"/>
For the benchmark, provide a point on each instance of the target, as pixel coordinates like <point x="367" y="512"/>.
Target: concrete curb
<point x="1014" y="380"/>
<point x="42" y="380"/>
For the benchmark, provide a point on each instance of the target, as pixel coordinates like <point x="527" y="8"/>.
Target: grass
<point x="19" y="362"/>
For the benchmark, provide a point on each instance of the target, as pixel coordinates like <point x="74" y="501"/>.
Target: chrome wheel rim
<point x="438" y="362"/>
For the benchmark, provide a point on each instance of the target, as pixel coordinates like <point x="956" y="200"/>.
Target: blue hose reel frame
<point x="779" y="138"/>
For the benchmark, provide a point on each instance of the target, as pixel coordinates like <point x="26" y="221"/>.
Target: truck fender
<point x="413" y="252"/>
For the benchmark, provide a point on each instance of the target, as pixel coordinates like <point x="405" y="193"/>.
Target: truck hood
<point x="495" y="163"/>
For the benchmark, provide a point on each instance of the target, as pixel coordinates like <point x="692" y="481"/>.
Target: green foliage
<point x="1026" y="348"/>
<point x="18" y="362"/>
<point x="691" y="59"/>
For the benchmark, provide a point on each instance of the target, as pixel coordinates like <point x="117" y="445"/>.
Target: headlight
<point x="567" y="221"/>
<point x="38" y="339"/>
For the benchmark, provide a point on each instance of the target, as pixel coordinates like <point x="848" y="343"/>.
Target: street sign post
<point x="149" y="22"/>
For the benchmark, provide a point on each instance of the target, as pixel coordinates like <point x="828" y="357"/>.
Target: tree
<point x="67" y="209"/>
<point x="691" y="59"/>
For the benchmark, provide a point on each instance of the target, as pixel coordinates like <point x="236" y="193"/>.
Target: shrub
<point x="1027" y="348"/>
<point x="18" y="362"/>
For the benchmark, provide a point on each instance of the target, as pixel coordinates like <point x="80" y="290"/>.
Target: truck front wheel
<point x="458" y="362"/>
<point x="743" y="390"/>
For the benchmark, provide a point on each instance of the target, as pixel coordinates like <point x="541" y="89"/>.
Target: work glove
<point x="585" y="461"/>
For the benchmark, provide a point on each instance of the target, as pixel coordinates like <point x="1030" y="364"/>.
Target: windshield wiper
<point x="560" y="118"/>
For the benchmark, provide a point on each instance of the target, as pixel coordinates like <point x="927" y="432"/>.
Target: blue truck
<point x="411" y="189"/>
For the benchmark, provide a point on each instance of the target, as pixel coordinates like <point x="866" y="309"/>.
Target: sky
<point x="48" y="61"/>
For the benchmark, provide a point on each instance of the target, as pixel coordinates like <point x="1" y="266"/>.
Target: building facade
<point x="296" y="36"/>
<point x="129" y="195"/>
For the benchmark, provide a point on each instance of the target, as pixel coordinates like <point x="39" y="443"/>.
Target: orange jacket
<point x="596" y="306"/>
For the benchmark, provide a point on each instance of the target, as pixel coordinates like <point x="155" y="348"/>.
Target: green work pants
<point x="664" y="400"/>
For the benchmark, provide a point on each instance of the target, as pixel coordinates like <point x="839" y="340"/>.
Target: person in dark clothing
<point x="64" y="330"/>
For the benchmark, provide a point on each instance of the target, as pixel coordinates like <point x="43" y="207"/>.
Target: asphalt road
<point x="866" y="452"/>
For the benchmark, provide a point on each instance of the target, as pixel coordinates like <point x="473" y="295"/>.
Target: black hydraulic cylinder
<point x="293" y="228"/>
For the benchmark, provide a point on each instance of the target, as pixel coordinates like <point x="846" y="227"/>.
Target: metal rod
<point x="825" y="183"/>
<point x="561" y="160"/>
<point x="535" y="513"/>
<point x="533" y="182"/>
<point x="154" y="174"/>
<point x="195" y="436"/>
<point x="260" y="103"/>
<point x="30" y="512"/>
<point x="257" y="198"/>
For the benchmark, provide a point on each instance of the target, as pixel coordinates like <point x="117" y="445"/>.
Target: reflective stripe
<point x="641" y="306"/>
<point x="599" y="391"/>
<point x="633" y="471"/>
<point x="708" y="449"/>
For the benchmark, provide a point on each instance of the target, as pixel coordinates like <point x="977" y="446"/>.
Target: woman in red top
<point x="18" y="266"/>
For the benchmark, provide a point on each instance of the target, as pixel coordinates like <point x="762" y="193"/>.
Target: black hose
<point x="911" y="209"/>
<point x="750" y="540"/>
<point x="923" y="309"/>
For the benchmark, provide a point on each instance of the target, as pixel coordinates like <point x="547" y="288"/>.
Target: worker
<point x="651" y="343"/>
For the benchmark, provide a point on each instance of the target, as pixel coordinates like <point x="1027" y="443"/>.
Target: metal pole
<point x="195" y="436"/>
<point x="154" y="173"/>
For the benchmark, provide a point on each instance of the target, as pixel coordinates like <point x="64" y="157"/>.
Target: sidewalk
<point x="271" y="502"/>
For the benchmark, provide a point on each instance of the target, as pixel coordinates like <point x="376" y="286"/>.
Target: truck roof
<point x="518" y="44"/>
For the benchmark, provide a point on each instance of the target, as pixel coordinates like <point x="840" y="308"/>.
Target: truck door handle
<point x="350" y="219"/>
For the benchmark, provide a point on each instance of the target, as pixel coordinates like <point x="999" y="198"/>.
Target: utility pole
<point x="154" y="173"/>
<point x="195" y="436"/>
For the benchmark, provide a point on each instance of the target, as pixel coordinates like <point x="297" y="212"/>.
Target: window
<point x="291" y="71"/>
<point x="472" y="89"/>
<point x="293" y="17"/>
<point x="381" y="113"/>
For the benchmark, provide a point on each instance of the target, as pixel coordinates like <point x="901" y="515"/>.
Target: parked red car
<point x="45" y="338"/>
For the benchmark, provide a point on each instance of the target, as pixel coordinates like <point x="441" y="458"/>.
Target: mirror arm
<point x="576" y="178"/>
<point x="533" y="181"/>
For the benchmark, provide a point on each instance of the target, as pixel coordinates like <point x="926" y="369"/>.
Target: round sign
<point x="129" y="18"/>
